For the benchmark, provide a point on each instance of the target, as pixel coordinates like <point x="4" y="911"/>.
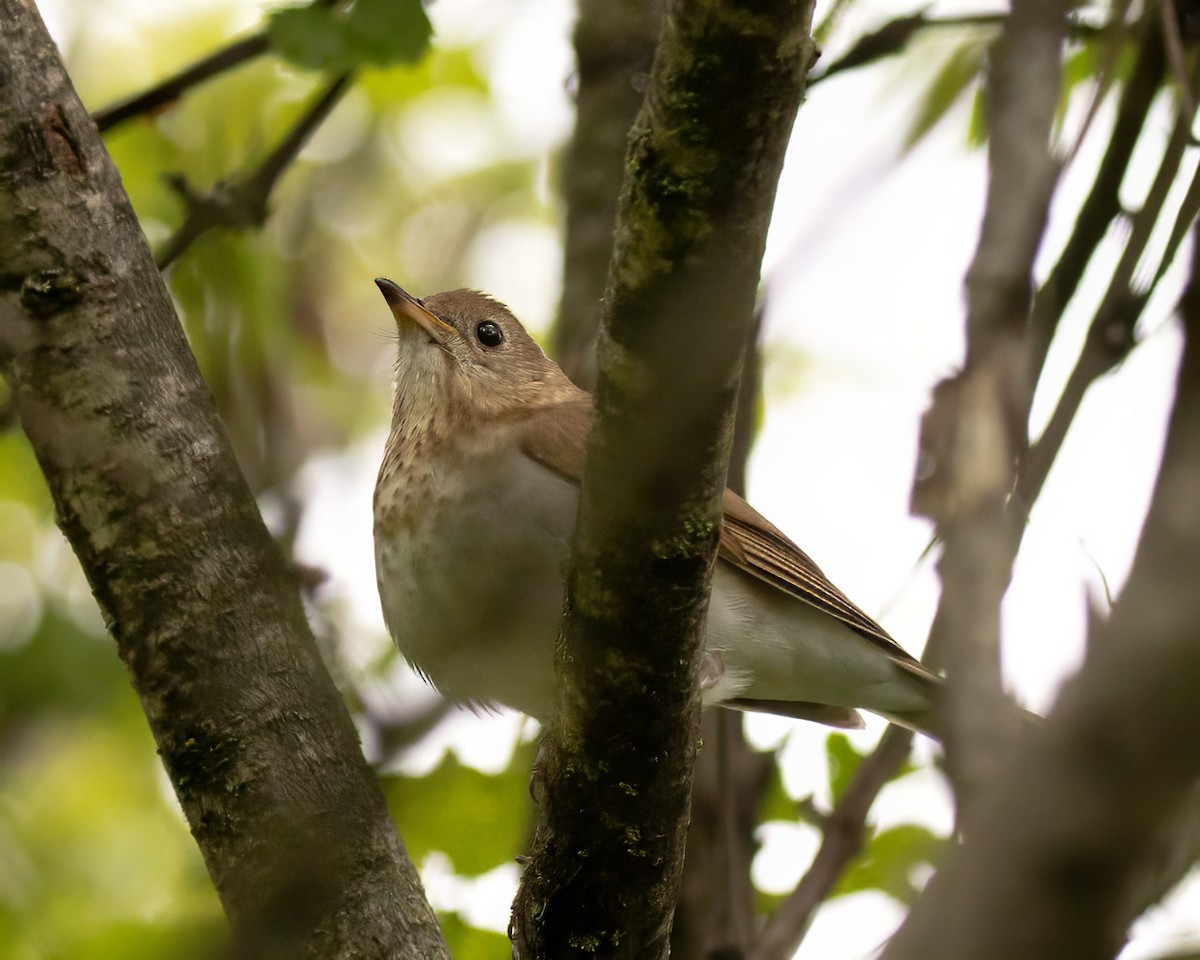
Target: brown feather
<point x="752" y="543"/>
<point x="556" y="437"/>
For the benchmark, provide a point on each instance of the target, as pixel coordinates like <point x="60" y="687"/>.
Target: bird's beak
<point x="408" y="309"/>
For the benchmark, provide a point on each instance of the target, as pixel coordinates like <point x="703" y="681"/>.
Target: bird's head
<point x="463" y="353"/>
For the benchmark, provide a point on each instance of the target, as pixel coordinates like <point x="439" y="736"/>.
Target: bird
<point x="474" y="509"/>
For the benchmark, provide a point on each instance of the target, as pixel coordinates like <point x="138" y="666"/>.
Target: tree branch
<point x="895" y="36"/>
<point x="704" y="161"/>
<point x="165" y="93"/>
<point x="1074" y="822"/>
<point x="1111" y="335"/>
<point x="207" y="618"/>
<point x="614" y="46"/>
<point x="841" y="841"/>
<point x="975" y="433"/>
<point x="242" y="204"/>
<point x="1103" y="201"/>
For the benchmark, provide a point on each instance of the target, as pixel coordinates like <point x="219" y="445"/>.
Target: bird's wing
<point x="557" y="438"/>
<point x="753" y="544"/>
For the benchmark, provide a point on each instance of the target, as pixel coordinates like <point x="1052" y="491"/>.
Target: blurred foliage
<point x="490" y="812"/>
<point x="411" y="175"/>
<point x="891" y="861"/>
<point x="371" y="33"/>
<point x="95" y="858"/>
<point x="465" y="940"/>
<point x="959" y="72"/>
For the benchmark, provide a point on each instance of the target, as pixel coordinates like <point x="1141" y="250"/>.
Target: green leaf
<point x="977" y="130"/>
<point x="383" y="32"/>
<point x="308" y="37"/>
<point x="478" y="820"/>
<point x="889" y="860"/>
<point x="465" y="940"/>
<point x="776" y="804"/>
<point x="959" y="71"/>
<point x="372" y="33"/>
<point x="842" y="760"/>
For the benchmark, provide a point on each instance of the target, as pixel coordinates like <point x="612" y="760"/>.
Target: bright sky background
<point x="865" y="315"/>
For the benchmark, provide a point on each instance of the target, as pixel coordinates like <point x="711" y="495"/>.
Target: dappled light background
<point x="444" y="174"/>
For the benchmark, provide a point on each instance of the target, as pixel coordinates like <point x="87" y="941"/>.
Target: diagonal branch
<point x="841" y="840"/>
<point x="1102" y="204"/>
<point x="167" y="91"/>
<point x="205" y="612"/>
<point x="1111" y="335"/>
<point x="242" y="204"/>
<point x="894" y="37"/>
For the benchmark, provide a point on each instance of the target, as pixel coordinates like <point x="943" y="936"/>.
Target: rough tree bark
<point x="702" y="169"/>
<point x="206" y="614"/>
<point x="614" y="47"/>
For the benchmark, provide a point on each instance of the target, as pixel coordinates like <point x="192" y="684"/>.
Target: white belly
<point x="472" y="593"/>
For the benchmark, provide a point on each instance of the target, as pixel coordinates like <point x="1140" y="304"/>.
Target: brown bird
<point x="474" y="510"/>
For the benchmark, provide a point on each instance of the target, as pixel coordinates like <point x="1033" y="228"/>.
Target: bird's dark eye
<point x="489" y="334"/>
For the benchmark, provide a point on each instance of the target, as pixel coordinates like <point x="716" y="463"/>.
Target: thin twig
<point x="166" y="92"/>
<point x="1105" y="73"/>
<point x="1189" y="209"/>
<point x="243" y="203"/>
<point x="1110" y="337"/>
<point x="841" y="840"/>
<point x="893" y="38"/>
<point x="1103" y="201"/>
<point x="1174" y="44"/>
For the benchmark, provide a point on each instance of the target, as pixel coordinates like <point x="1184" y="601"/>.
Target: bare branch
<point x="242" y="204"/>
<point x="1074" y="824"/>
<point x="1110" y="336"/>
<point x="1103" y="203"/>
<point x="975" y="433"/>
<point x="163" y="94"/>
<point x="895" y="36"/>
<point x="1175" y="56"/>
<point x="716" y="916"/>
<point x="841" y="840"/>
<point x="166" y="92"/>
<point x="614" y="46"/>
